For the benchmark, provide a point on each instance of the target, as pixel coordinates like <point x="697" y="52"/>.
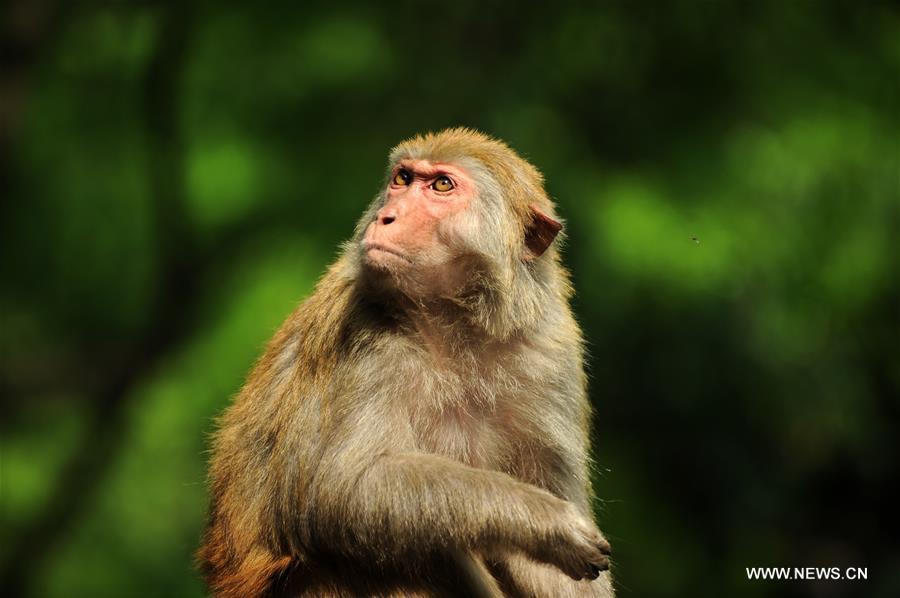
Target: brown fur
<point x="387" y="447"/>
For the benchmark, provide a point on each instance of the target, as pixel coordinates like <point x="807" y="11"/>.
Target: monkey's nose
<point x="387" y="219"/>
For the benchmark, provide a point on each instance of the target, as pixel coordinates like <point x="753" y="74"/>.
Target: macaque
<point x="419" y="425"/>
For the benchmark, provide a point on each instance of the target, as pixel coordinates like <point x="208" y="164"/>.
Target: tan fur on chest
<point x="465" y="433"/>
<point x="457" y="411"/>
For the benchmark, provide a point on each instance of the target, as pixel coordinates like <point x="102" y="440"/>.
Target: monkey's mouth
<point x="376" y="248"/>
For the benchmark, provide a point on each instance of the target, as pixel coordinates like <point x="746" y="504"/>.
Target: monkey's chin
<point x="394" y="276"/>
<point x="382" y="268"/>
<point x="381" y="257"/>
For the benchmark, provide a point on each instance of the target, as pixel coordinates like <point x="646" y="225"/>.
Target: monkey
<point x="419" y="426"/>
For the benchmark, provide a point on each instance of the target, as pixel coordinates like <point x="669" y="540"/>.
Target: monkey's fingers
<point x="598" y="567"/>
<point x="598" y="564"/>
<point x="586" y="563"/>
<point x="598" y="560"/>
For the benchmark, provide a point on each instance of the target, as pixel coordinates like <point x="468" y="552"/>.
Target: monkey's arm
<point x="398" y="505"/>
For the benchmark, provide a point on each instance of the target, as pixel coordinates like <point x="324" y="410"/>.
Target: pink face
<point x="420" y="195"/>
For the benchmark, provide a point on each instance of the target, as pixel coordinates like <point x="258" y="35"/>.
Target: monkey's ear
<point x="540" y="233"/>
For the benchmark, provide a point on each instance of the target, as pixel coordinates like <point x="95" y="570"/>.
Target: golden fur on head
<point x="508" y="293"/>
<point x="511" y="172"/>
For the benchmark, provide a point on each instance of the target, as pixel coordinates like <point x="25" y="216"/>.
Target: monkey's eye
<point x="442" y="183"/>
<point x="402" y="177"/>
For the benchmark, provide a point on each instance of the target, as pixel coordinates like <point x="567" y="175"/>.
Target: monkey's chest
<point x="463" y="432"/>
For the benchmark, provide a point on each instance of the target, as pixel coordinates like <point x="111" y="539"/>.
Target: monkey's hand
<point x="574" y="545"/>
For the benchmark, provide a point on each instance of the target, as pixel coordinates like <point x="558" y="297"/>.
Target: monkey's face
<point x="415" y="236"/>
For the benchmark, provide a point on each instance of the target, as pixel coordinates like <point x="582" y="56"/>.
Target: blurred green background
<point x="175" y="177"/>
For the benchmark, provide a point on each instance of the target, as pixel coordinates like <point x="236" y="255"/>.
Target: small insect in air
<point x="695" y="240"/>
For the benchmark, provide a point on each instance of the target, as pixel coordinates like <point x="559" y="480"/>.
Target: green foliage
<point x="179" y="178"/>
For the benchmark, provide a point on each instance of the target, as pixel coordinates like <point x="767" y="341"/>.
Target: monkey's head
<point x="462" y="217"/>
